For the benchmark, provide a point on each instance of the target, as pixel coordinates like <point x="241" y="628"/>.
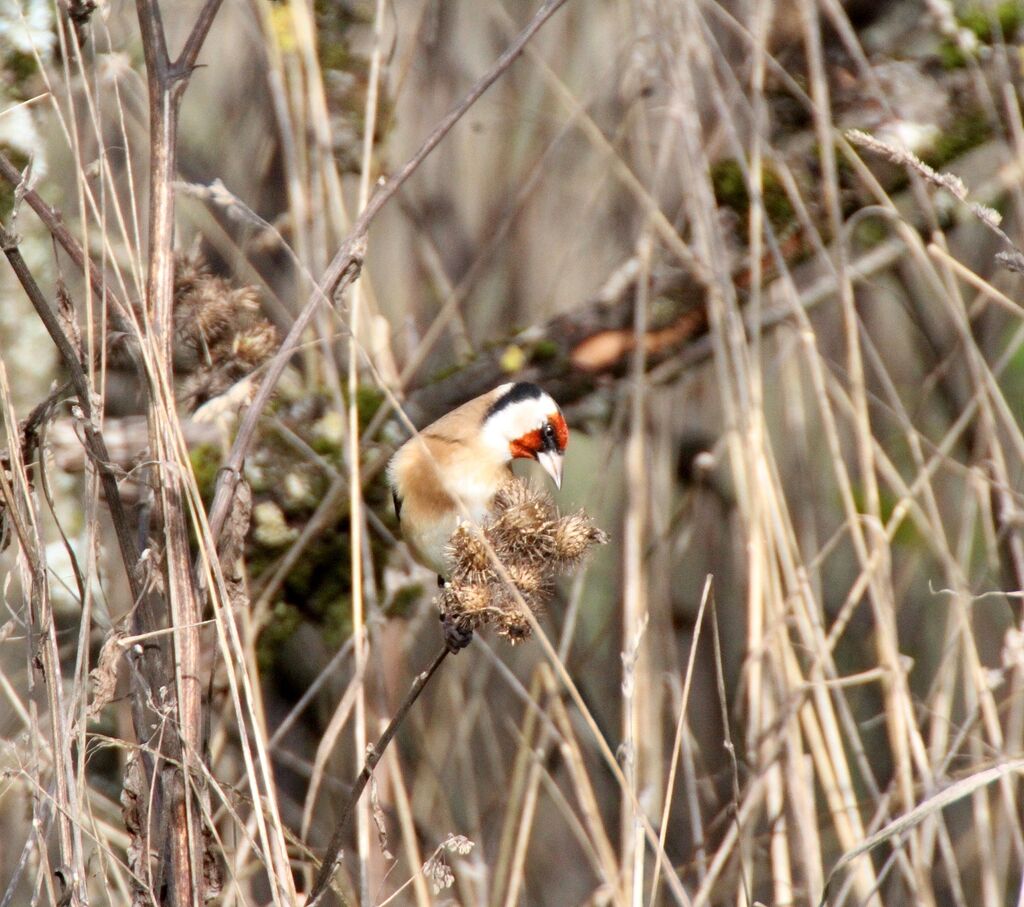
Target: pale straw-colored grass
<point x="796" y="674"/>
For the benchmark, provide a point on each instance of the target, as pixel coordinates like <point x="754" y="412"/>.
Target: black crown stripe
<point x="521" y="390"/>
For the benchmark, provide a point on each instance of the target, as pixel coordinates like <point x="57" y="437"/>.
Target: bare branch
<point x="182" y="67"/>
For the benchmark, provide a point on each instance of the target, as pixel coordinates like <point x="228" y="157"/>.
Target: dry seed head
<point x="468" y="553"/>
<point x="523" y="532"/>
<point x="574" y="536"/>
<point x="245" y="300"/>
<point x="189" y="270"/>
<point x="202" y="385"/>
<point x="514" y="626"/>
<point x="512" y="494"/>
<point x="220" y="336"/>
<point x="532" y="543"/>
<point x="529" y="579"/>
<point x="256" y="344"/>
<point x="466" y="602"/>
<point x="519" y="503"/>
<point x="204" y="308"/>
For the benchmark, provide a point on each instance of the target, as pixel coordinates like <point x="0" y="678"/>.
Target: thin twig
<point x="332" y="856"/>
<point x="53" y="220"/>
<point x="182" y="67"/>
<point x="94" y="443"/>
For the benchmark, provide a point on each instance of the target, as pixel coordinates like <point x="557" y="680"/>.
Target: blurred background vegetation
<point x="792" y="367"/>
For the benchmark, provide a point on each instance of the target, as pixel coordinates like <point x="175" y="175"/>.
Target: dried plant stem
<point x="44" y="655"/>
<point x="677" y="742"/>
<point x="332" y="856"/>
<point x="152" y="664"/>
<point x="94" y="442"/>
<point x="355" y="500"/>
<point x="167" y="80"/>
<point x="639" y="762"/>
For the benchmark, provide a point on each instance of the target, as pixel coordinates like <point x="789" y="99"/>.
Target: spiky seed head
<point x="219" y="335"/>
<point x="466" y="604"/>
<point x="574" y="535"/>
<point x="514" y="629"/>
<point x="255" y="344"/>
<point x="467" y="552"/>
<point x="512" y="494"/>
<point x="529" y="579"/>
<point x="532" y="543"/>
<point x="523" y="530"/>
<point x="204" y="309"/>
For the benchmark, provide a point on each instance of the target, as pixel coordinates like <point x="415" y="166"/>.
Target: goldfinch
<point x="451" y="470"/>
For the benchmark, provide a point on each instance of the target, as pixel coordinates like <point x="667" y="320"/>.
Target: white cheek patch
<point x="515" y="421"/>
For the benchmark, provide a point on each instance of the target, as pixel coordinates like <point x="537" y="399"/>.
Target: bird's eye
<point x="547" y="434"/>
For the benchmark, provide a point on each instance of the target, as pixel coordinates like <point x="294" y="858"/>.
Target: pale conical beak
<point x="552" y="463"/>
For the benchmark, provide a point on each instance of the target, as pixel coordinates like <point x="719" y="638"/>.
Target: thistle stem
<point x="332" y="856"/>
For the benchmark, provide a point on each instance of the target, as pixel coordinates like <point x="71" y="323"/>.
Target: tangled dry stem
<point x="532" y="542"/>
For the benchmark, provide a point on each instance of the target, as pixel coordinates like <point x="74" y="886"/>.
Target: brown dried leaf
<point x="602" y="351"/>
<point x="104" y="675"/>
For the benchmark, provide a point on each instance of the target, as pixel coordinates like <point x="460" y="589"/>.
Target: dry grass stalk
<point x="804" y="564"/>
<point x="948" y="181"/>
<point x="532" y="544"/>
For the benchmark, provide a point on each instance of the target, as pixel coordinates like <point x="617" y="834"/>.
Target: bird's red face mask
<point x="546" y="445"/>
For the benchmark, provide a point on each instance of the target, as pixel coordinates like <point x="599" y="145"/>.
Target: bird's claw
<point x="456" y="634"/>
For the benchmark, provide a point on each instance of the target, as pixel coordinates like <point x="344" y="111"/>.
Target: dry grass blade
<point x="937" y="802"/>
<point x="767" y="259"/>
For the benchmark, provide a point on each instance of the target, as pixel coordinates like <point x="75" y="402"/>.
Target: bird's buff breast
<point x="428" y="543"/>
<point x="429" y="519"/>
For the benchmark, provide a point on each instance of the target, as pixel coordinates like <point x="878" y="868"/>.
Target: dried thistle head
<point x="524" y="525"/>
<point x="256" y="344"/>
<point x="508" y="566"/>
<point x="574" y="535"/>
<point x="469" y="554"/>
<point x="204" y="306"/>
<point x="220" y="336"/>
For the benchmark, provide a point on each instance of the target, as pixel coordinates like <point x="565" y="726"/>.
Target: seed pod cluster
<point x="511" y="561"/>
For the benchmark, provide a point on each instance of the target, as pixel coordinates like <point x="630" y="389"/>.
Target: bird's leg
<point x="456" y="635"/>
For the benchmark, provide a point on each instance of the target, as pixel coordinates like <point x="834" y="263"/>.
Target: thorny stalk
<point x="167" y="80"/>
<point x="332" y="856"/>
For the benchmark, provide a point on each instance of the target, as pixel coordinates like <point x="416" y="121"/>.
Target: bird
<point x="451" y="471"/>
